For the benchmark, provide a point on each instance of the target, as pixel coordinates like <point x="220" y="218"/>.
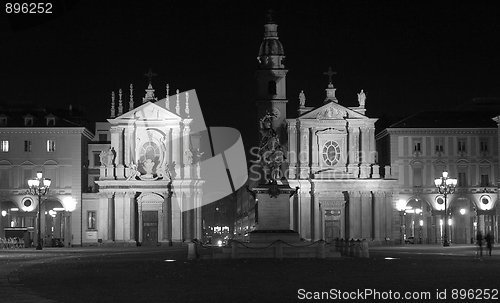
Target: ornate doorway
<point x="149" y="228"/>
<point x="332" y="224"/>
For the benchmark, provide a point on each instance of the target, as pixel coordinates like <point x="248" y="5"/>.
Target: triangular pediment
<point x="332" y="111"/>
<point x="147" y="111"/>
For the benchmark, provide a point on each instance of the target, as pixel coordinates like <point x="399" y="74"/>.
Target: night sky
<point x="406" y="55"/>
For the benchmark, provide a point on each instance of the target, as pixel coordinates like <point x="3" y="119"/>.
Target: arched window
<point x="271" y="88"/>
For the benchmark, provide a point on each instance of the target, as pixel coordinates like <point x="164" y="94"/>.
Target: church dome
<point x="271" y="47"/>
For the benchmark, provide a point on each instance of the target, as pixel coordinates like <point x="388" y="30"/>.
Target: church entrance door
<point x="149" y="228"/>
<point x="332" y="225"/>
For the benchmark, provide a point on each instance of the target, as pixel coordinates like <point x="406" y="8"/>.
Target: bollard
<point x="321" y="250"/>
<point x="365" y="253"/>
<point x="234" y="250"/>
<point x="343" y="251"/>
<point x="192" y="254"/>
<point x="351" y="248"/>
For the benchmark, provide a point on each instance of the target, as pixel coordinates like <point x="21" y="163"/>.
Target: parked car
<point x="410" y="240"/>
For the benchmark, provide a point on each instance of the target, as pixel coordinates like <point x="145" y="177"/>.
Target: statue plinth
<point x="273" y="214"/>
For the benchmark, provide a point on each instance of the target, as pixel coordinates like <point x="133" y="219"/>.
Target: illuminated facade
<point x="148" y="186"/>
<point x="36" y="140"/>
<point x="331" y="158"/>
<point x="420" y="148"/>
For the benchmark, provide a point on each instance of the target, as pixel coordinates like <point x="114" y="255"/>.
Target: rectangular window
<point x="91" y="219"/>
<point x="5" y="146"/>
<point x="462" y="179"/>
<point x="417" y="177"/>
<point x="97" y="159"/>
<point x="27" y="145"/>
<point x="461" y="145"/>
<point x="103" y="137"/>
<point x="439" y="144"/>
<point x="483" y="145"/>
<point x="417" y="145"/>
<point x="485" y="180"/>
<point x="51" y="145"/>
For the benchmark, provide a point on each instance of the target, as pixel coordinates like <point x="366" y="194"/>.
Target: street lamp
<point x="39" y="187"/>
<point x="445" y="186"/>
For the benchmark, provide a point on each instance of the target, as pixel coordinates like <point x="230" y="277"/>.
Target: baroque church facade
<point x="149" y="181"/>
<point x="331" y="158"/>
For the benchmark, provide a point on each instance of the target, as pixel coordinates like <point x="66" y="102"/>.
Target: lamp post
<point x="39" y="187"/>
<point x="445" y="186"/>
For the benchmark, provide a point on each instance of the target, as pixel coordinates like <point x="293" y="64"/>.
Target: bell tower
<point x="271" y="78"/>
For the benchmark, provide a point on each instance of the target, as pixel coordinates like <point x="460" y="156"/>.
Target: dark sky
<point x="406" y="55"/>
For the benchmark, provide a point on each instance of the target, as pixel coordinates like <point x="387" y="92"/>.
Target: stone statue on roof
<point x="361" y="99"/>
<point x="302" y="99"/>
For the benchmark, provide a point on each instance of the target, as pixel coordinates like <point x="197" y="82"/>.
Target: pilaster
<point x="188" y="154"/>
<point x="354" y="215"/>
<point x="111" y="217"/>
<point x="176" y="151"/>
<point x="304" y="153"/>
<point x="366" y="215"/>
<point x="292" y="149"/>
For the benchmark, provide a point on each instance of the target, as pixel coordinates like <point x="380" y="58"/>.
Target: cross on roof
<point x="150" y="75"/>
<point x="330" y="73"/>
<point x="270" y="14"/>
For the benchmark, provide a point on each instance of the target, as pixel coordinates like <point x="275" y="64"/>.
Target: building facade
<point x="34" y="141"/>
<point x="149" y="187"/>
<point x="331" y="159"/>
<point x="419" y="149"/>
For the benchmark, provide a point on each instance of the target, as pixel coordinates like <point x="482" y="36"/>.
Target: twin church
<point x="145" y="175"/>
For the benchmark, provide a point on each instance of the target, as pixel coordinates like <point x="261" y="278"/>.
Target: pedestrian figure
<point x="479" y="242"/>
<point x="488" y="240"/>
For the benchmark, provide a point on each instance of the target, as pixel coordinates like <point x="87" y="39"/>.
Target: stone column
<point x="304" y="153"/>
<point x="111" y="217"/>
<point x="389" y="212"/>
<point x="176" y="152"/>
<point x="198" y="215"/>
<point x="188" y="218"/>
<point x="292" y="149"/>
<point x="133" y="215"/>
<point x="365" y="152"/>
<point x="128" y="147"/>
<point x="117" y="144"/>
<point x="373" y="150"/>
<point x="378" y="216"/>
<point x="120" y="217"/>
<point x="305" y="214"/>
<point x="314" y="148"/>
<point x="188" y="155"/>
<point x="354" y="215"/>
<point x="366" y="215"/>
<point x="353" y="166"/>
<point x="315" y="217"/>
<point x="167" y="219"/>
<point x="176" y="206"/>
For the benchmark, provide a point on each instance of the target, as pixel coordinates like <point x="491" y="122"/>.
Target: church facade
<point x="331" y="159"/>
<point x="149" y="183"/>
